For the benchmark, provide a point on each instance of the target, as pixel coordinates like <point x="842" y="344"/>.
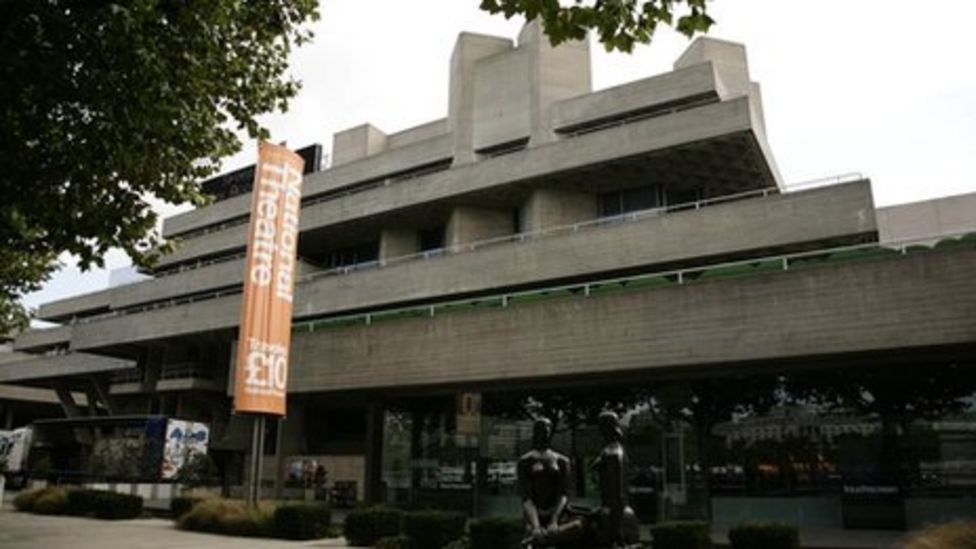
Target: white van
<point x="14" y="449"/>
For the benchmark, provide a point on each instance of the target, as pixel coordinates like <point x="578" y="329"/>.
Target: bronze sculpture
<point x="543" y="478"/>
<point x="616" y="522"/>
<point x="550" y="521"/>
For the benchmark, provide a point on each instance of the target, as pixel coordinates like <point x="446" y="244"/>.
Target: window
<point x="432" y="239"/>
<point x="352" y="255"/>
<point x="631" y="200"/>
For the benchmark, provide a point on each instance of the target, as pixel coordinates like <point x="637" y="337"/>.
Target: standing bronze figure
<point x="616" y="522"/>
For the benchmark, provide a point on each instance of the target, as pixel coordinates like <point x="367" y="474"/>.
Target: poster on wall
<point x="269" y="281"/>
<point x="184" y="439"/>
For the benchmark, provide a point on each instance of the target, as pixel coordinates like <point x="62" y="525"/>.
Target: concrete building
<point x="543" y="238"/>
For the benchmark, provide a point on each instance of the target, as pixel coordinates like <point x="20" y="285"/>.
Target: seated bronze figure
<point x="550" y="521"/>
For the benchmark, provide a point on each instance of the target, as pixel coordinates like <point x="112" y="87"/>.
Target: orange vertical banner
<point x="264" y="339"/>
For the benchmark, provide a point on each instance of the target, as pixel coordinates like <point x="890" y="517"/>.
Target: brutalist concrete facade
<point x="429" y="257"/>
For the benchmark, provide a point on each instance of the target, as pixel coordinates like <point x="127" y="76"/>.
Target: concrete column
<point x="355" y="143"/>
<point x="398" y="242"/>
<point x="728" y="58"/>
<point x="8" y="416"/>
<point x="375" y="412"/>
<point x="468" y="224"/>
<point x="155" y="357"/>
<point x="547" y="208"/>
<point x="468" y="49"/>
<point x="554" y="74"/>
<point x="67" y="401"/>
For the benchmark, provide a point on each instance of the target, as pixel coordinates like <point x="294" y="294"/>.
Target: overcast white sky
<point x="882" y="87"/>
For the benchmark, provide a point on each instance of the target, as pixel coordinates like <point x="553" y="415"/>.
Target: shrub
<point x="682" y="535"/>
<point x="113" y="506"/>
<point x="221" y="516"/>
<point x="53" y="501"/>
<point x="433" y="529"/>
<point x="81" y="503"/>
<point x="302" y="521"/>
<point x="25" y="500"/>
<point x="461" y="543"/>
<point x="496" y="533"/>
<point x="764" y="535"/>
<point x="181" y="505"/>
<point x="394" y="542"/>
<point x="364" y="527"/>
<point x="953" y="534"/>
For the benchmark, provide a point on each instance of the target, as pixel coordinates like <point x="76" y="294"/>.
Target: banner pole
<point x="257" y="459"/>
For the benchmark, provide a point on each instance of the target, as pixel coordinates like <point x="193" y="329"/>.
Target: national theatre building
<point x="776" y="351"/>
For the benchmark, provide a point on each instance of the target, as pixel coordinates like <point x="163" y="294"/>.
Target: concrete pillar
<point x="8" y="416"/>
<point x="546" y="208"/>
<point x="554" y="74"/>
<point x="355" y="143"/>
<point x="398" y="242"/>
<point x="728" y="58"/>
<point x="67" y="401"/>
<point x="375" y="412"/>
<point x="468" y="49"/>
<point x="468" y="224"/>
<point x="155" y="357"/>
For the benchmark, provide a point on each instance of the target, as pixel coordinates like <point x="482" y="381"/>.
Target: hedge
<point x="109" y="505"/>
<point x="222" y="516"/>
<point x="25" y="501"/>
<point x="51" y="501"/>
<point x="433" y="529"/>
<point x="366" y="526"/>
<point x="181" y="505"/>
<point x="59" y="500"/>
<point x="764" y="535"/>
<point x="496" y="533"/>
<point x="682" y="535"/>
<point x="302" y="521"/>
<point x="394" y="542"/>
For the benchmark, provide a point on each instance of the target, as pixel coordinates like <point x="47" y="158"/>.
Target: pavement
<point x="27" y="531"/>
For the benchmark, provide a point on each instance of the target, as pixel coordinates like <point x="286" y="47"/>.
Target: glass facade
<point x="856" y="446"/>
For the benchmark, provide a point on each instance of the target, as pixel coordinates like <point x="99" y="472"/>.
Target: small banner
<point x="269" y="283"/>
<point x="469" y="414"/>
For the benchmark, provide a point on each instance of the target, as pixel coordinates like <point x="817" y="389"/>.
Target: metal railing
<point x="664" y="278"/>
<point x="635" y="216"/>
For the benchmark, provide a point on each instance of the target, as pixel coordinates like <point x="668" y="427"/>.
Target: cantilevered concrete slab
<point x="834" y="215"/>
<point x="900" y="303"/>
<point x="40" y="369"/>
<point x="649" y="137"/>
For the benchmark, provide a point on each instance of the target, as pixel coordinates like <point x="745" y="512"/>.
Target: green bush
<point x="764" y="535"/>
<point x="25" y="500"/>
<point x="302" y="521"/>
<point x="959" y="534"/>
<point x="113" y="506"/>
<point x="433" y="529"/>
<point x="682" y="535"/>
<point x="460" y="543"/>
<point x="496" y="533"/>
<point x="221" y="516"/>
<point x="81" y="503"/>
<point x="364" y="527"/>
<point x="53" y="501"/>
<point x="181" y="505"/>
<point x="394" y="542"/>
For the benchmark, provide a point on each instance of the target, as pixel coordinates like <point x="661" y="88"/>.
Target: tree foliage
<point x="106" y="106"/>
<point x="619" y="24"/>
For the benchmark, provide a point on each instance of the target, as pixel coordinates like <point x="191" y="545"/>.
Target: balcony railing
<point x="481" y="244"/>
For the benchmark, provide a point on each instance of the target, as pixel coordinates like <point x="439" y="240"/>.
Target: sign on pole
<point x="269" y="283"/>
